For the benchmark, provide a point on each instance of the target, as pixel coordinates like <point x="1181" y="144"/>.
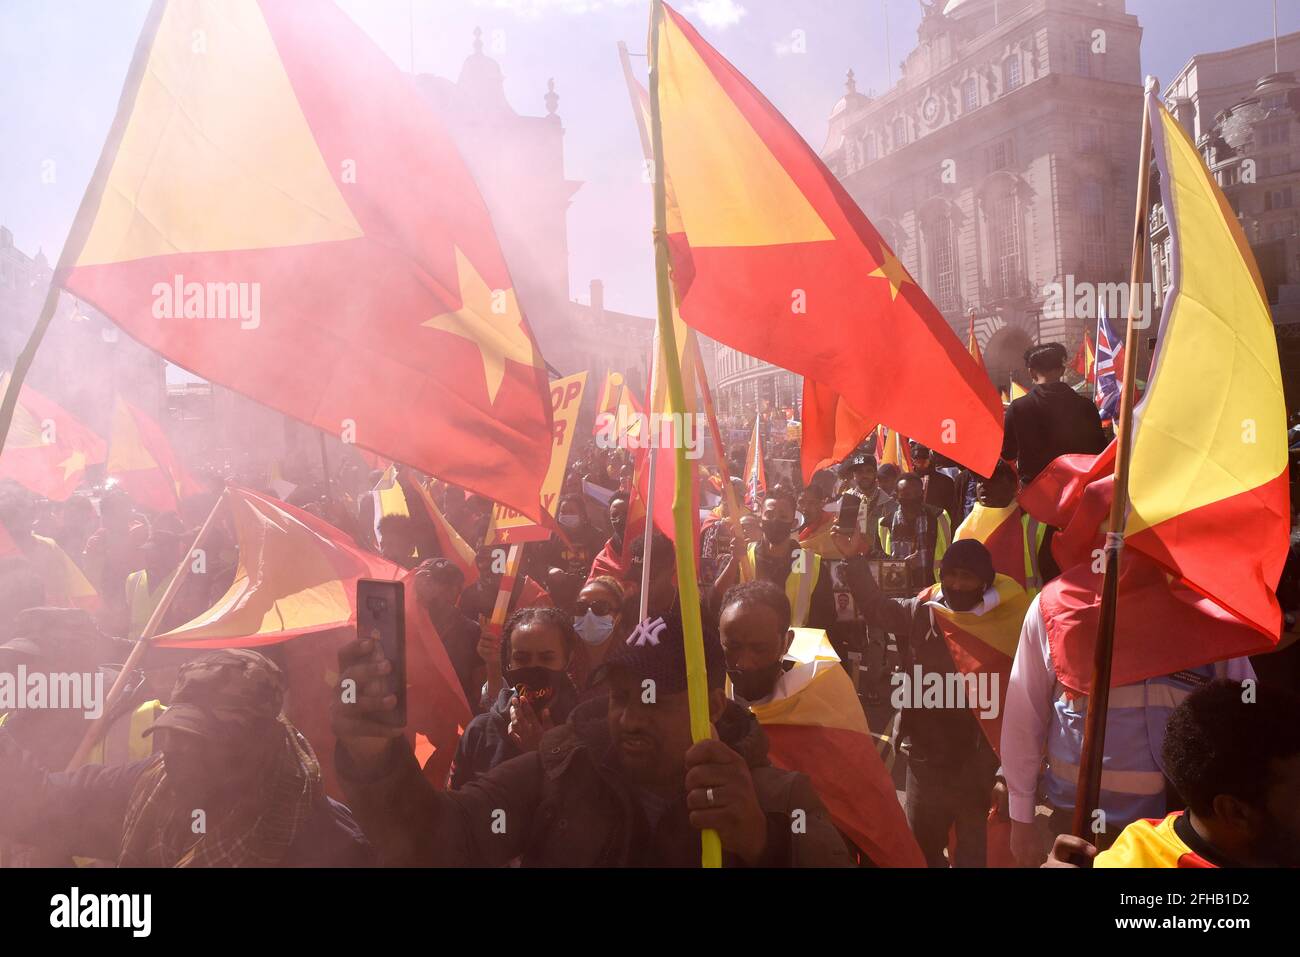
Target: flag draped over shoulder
<point x="1000" y="531"/>
<point x="815" y="725"/>
<point x="280" y="212"/>
<point x="143" y="463"/>
<point x="47" y="448"/>
<point x="983" y="641"/>
<point x="771" y="256"/>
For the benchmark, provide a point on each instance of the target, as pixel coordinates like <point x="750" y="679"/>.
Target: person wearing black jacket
<point x="1051" y="420"/>
<point x="951" y="767"/>
<point x="224" y="747"/>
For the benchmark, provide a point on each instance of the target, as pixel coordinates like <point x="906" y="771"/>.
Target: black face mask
<point x="757" y="683"/>
<point x="543" y="688"/>
<point x="962" y="600"/>
<point x="776" y="531"/>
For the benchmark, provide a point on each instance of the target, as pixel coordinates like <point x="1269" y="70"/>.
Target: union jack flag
<point x="1110" y="365"/>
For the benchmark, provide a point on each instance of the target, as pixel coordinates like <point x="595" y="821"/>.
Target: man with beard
<point x="777" y="557"/>
<point x="232" y="784"/>
<point x="950" y="765"/>
<point x="1235" y="759"/>
<point x="938" y="490"/>
<point x="860" y="477"/>
<point x="814" y="723"/>
<point x="619" y="784"/>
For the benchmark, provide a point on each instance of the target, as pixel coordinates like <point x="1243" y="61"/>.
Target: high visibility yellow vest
<point x="1034" y="533"/>
<point x="805" y="569"/>
<point x="126" y="741"/>
<point x="942" y="538"/>
<point x="141" y="602"/>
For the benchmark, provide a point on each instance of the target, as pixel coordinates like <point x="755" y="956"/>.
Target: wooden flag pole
<point x="697" y="690"/>
<point x="1088" y="788"/>
<point x="100" y="724"/>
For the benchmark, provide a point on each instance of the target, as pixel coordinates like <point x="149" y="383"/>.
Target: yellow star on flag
<point x="74" y="463"/>
<point x="491" y="320"/>
<point x="893" y="271"/>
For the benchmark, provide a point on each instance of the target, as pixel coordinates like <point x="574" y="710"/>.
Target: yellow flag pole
<point x="1088" y="789"/>
<point x="697" y="686"/>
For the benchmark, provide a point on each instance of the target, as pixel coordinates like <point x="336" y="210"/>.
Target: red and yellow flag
<point x="771" y="256"/>
<point x="47" y="449"/>
<point x="1208" y="492"/>
<point x="973" y="346"/>
<point x="815" y="725"/>
<point x="297" y="576"/>
<point x="831" y="429"/>
<point x="892" y="449"/>
<point x="142" y="461"/>
<point x="278" y="210"/>
<point x="1085" y="360"/>
<point x="983" y="642"/>
<point x="1002" y="532"/>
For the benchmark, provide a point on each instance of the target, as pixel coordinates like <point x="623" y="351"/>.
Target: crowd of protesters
<point x="567" y="760"/>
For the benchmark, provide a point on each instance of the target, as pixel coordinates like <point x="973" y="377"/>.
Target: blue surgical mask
<point x="592" y="628"/>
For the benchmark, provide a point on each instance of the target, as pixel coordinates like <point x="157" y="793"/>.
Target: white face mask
<point x="592" y="628"/>
<point x="570" y="521"/>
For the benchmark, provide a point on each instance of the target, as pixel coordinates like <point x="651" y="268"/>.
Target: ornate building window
<point x="1004" y="232"/>
<point x="941" y="262"/>
<point x="1082" y="60"/>
<point x="1011" y="75"/>
<point x="970" y="95"/>
<point x="1089" y="138"/>
<point x="1093" y="208"/>
<point x="870" y="142"/>
<point x="1000" y="156"/>
<point x="1274" y="134"/>
<point x="900" y="131"/>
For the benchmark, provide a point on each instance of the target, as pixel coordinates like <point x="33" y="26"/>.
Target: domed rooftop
<point x="851" y="99"/>
<point x="481" y="79"/>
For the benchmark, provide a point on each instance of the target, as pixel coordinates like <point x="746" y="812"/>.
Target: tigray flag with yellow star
<point x="326" y="253"/>
<point x="48" y="448"/>
<point x="771" y="256"/>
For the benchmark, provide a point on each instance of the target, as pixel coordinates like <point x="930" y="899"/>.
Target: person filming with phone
<point x="620" y="784"/>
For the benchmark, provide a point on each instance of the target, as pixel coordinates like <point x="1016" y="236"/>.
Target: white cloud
<point x="718" y="14"/>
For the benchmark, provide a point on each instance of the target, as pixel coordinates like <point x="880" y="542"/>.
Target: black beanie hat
<point x="969" y="555"/>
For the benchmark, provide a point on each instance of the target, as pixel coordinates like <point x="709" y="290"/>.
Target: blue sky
<point x="62" y="63"/>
